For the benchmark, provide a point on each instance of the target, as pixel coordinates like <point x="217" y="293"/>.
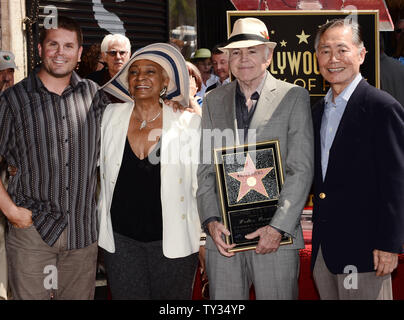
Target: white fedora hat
<point x="169" y="58"/>
<point x="248" y="32"/>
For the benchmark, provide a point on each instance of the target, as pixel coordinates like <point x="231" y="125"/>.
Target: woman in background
<point x="91" y="61"/>
<point x="195" y="84"/>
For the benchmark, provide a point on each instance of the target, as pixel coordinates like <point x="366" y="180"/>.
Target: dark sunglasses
<point x="113" y="53"/>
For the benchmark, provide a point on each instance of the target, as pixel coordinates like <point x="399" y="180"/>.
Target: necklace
<point x="144" y="123"/>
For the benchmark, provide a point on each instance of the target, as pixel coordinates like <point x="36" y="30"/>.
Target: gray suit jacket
<point x="283" y="112"/>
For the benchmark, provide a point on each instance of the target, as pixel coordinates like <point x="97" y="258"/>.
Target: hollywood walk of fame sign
<point x="294" y="59"/>
<point x="249" y="180"/>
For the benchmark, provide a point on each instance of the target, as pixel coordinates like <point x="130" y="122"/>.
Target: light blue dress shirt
<point x="332" y="115"/>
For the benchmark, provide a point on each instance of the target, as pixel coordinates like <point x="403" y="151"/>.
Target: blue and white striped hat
<point x="169" y="58"/>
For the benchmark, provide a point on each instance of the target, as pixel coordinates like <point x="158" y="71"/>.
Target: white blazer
<point x="178" y="166"/>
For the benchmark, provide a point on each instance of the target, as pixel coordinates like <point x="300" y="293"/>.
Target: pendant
<point x="142" y="125"/>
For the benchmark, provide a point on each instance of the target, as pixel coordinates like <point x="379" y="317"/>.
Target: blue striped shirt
<point x="333" y="112"/>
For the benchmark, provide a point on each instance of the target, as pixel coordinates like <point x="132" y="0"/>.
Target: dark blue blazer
<point x="363" y="208"/>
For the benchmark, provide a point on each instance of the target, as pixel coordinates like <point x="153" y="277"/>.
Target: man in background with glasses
<point x="116" y="51"/>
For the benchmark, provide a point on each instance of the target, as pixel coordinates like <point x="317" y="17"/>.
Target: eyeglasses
<point x="113" y="53"/>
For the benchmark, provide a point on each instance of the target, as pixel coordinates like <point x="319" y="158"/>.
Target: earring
<point x="162" y="95"/>
<point x="163" y="92"/>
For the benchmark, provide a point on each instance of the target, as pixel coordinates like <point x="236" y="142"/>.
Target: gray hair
<point x="268" y="52"/>
<point x="356" y="31"/>
<point x="110" y="38"/>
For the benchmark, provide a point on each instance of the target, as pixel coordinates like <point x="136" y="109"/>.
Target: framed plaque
<point x="250" y="180"/>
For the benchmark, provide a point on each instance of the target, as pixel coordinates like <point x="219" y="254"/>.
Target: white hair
<point x="267" y="52"/>
<point x="110" y="38"/>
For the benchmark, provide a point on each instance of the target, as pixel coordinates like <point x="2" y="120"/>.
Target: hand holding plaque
<point x="269" y="239"/>
<point x="216" y="230"/>
<point x="249" y="182"/>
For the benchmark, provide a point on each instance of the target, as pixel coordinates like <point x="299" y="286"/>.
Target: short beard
<point x="56" y="75"/>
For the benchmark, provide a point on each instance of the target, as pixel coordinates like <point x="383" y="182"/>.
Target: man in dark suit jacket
<point x="358" y="210"/>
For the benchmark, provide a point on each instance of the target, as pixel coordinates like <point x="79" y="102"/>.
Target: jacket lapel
<point x="265" y="107"/>
<point x="120" y="124"/>
<point x="318" y="111"/>
<point x="228" y="104"/>
<point x="349" y="125"/>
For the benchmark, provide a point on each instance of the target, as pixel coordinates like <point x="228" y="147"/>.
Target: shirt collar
<point x="261" y="85"/>
<point x="258" y="90"/>
<point x="76" y="80"/>
<point x="225" y="81"/>
<point x="35" y="84"/>
<point x="345" y="94"/>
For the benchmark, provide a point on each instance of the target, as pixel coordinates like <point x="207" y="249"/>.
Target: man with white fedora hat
<point x="257" y="108"/>
<point x="7" y="66"/>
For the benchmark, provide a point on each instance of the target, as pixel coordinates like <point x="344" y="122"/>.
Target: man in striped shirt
<point x="50" y="131"/>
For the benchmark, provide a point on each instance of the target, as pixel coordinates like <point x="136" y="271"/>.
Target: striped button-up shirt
<point x="54" y="141"/>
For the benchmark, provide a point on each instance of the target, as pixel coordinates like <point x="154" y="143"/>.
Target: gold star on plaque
<point x="272" y="31"/>
<point x="303" y="37"/>
<point x="283" y="43"/>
